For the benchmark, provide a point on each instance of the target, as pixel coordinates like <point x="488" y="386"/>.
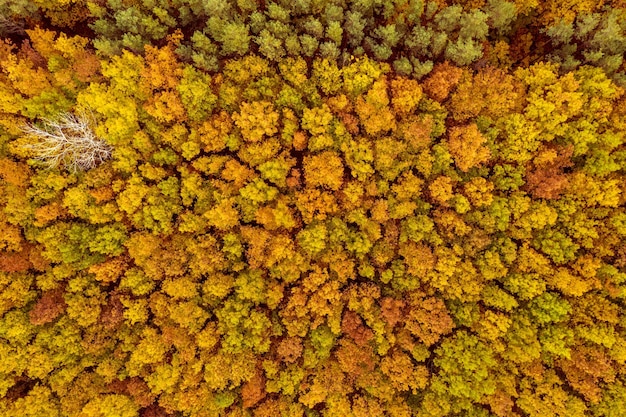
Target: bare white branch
<point x="67" y="141"/>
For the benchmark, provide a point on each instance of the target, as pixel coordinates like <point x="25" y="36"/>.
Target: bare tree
<point x="10" y="26"/>
<point x="68" y="141"/>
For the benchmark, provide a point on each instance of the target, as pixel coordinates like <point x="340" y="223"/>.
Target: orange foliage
<point x="547" y="179"/>
<point x="335" y="235"/>
<point x="49" y="306"/>
<point x="466" y="144"/>
<point x="253" y="391"/>
<point x="427" y="318"/>
<point x="441" y="81"/>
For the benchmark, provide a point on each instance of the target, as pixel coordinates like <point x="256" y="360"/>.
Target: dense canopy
<point x="312" y="208"/>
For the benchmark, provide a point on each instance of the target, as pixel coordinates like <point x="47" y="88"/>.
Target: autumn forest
<point x="312" y="208"/>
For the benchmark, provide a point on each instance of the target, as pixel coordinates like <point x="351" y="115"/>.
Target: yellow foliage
<point x="223" y="215"/>
<point x="324" y="169"/>
<point x="441" y="189"/>
<point x="373" y="109"/>
<point x="285" y="237"/>
<point x="466" y="145"/>
<point x="256" y="120"/>
<point x="406" y="95"/>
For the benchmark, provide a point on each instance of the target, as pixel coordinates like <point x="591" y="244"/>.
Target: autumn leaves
<point x="322" y="209"/>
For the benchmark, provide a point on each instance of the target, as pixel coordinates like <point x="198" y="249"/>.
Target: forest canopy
<point x="312" y="208"/>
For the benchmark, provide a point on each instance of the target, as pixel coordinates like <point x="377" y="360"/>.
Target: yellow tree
<point x="466" y="145"/>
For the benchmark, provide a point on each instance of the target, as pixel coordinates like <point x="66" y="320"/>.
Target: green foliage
<point x="597" y="39"/>
<point x="466" y="364"/>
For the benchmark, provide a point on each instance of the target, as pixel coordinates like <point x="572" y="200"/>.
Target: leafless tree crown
<point x="67" y="141"/>
<point x="10" y="26"/>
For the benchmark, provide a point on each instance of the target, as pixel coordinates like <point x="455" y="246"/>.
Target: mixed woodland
<point x="313" y="208"/>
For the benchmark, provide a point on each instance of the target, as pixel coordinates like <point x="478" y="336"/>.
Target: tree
<point x="466" y="146"/>
<point x="374" y="111"/>
<point x="48" y="307"/>
<point x="235" y="38"/>
<point x="467" y="366"/>
<point x="324" y="169"/>
<point x="427" y="318"/>
<point x="476" y="95"/>
<point x="546" y="395"/>
<point x="315" y="208"/>
<point x="442" y="80"/>
<point x="67" y="141"/>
